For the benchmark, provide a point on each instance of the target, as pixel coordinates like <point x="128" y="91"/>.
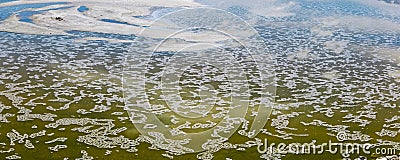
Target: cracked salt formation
<point x="70" y="84"/>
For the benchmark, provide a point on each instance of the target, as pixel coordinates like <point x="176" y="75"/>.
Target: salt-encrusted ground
<point x="337" y="68"/>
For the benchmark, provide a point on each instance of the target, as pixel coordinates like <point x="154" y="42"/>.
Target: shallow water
<point x="25" y="15"/>
<point x="73" y="89"/>
<point x="5" y="12"/>
<point x="82" y="9"/>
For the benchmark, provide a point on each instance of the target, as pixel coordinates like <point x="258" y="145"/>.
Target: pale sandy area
<point x="13" y="25"/>
<point x="336" y="46"/>
<point x="360" y="23"/>
<point x="123" y="11"/>
<point x="332" y="75"/>
<point x="110" y="40"/>
<point x="386" y="8"/>
<point x="387" y="53"/>
<point x="119" y="10"/>
<point x="395" y="75"/>
<point x="320" y="31"/>
<point x="267" y="8"/>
